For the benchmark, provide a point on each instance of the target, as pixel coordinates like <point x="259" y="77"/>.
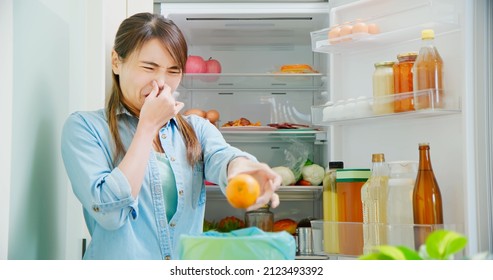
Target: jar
<point x="403" y="82"/>
<point x="350" y="209"/>
<point x="262" y="218"/>
<point x="383" y="88"/>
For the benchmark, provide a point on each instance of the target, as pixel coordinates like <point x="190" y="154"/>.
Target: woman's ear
<point x="115" y="62"/>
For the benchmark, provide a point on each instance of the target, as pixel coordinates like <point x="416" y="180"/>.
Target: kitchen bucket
<point x="243" y="244"/>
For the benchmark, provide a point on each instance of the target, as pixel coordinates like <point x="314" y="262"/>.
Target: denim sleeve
<point x="217" y="153"/>
<point x="102" y="189"/>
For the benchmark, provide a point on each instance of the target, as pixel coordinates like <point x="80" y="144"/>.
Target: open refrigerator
<point x="253" y="39"/>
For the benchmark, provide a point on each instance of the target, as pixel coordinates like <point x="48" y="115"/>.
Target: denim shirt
<point x="122" y="227"/>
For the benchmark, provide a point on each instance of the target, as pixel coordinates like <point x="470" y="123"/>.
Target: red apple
<point x="213" y="66"/>
<point x="195" y="64"/>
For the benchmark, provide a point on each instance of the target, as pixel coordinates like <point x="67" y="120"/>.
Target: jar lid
<point x="408" y="55"/>
<point x="384" y="63"/>
<point x="352" y="175"/>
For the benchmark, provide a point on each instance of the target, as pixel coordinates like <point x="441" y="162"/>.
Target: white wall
<point x="54" y="61"/>
<point x="6" y="85"/>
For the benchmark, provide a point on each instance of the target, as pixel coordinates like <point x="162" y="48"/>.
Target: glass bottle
<point x="428" y="73"/>
<point x="403" y="82"/>
<point x="374" y="198"/>
<point x="383" y="88"/>
<point x="329" y="198"/>
<point x="262" y="218"/>
<point x="427" y="200"/>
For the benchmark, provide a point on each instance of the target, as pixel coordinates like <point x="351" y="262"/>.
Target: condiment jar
<point x="403" y="82"/>
<point x="383" y="88"/>
<point x="262" y="218"/>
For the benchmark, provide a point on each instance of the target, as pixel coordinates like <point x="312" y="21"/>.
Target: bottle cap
<point x="384" y="63"/>
<point x="427" y="34"/>
<point x="377" y="158"/>
<point x="336" y="164"/>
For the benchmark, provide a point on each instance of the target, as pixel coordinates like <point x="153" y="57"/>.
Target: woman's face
<point x="151" y="63"/>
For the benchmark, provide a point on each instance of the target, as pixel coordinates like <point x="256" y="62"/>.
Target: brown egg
<point x="360" y="27"/>
<point x="212" y="116"/>
<point x="373" y="28"/>
<point x="346" y="30"/>
<point x="334" y="34"/>
<point x="195" y="111"/>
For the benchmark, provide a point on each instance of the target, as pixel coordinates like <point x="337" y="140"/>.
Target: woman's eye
<point x="148" y="68"/>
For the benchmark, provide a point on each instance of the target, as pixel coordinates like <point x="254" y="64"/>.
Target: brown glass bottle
<point x="427" y="200"/>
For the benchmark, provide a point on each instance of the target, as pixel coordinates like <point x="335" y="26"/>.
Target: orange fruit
<point x="242" y="191"/>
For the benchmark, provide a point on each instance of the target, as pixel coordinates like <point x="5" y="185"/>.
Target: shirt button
<point x="163" y="136"/>
<point x="95" y="208"/>
<point x="172" y="158"/>
<point x="172" y="225"/>
<point x="180" y="192"/>
<point x="167" y="258"/>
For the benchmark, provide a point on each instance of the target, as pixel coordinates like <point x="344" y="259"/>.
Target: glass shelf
<point x="403" y="23"/>
<point x="248" y="81"/>
<point x="291" y="193"/>
<point x="345" y="239"/>
<point x="367" y="109"/>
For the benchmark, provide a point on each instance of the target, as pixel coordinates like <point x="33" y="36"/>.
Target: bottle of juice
<point x="374" y="198"/>
<point x="427" y="74"/>
<point x="329" y="197"/>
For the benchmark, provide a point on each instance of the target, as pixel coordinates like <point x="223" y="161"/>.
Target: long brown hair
<point x="131" y="36"/>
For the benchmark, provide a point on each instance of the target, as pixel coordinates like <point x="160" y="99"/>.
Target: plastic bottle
<point x="400" y="203"/>
<point x="329" y="198"/>
<point x="383" y="88"/>
<point x="374" y="198"/>
<point x="350" y="209"/>
<point x="427" y="200"/>
<point x="427" y="74"/>
<point x="403" y="82"/>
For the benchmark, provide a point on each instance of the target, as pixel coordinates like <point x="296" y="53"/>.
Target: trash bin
<point x="243" y="244"/>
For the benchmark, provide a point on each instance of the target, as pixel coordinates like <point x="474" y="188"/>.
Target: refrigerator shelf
<point x="249" y="81"/>
<point x="363" y="109"/>
<point x="402" y="23"/>
<point x="291" y="193"/>
<point x="341" y="240"/>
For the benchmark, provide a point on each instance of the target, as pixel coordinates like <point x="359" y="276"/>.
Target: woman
<point x="138" y="166"/>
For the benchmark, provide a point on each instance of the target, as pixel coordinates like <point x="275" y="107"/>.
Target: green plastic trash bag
<point x="242" y="244"/>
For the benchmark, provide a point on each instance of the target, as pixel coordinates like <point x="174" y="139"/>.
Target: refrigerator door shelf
<point x="361" y="109"/>
<point x="402" y="22"/>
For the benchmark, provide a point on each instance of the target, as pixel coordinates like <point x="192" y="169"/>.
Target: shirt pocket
<point x="198" y="186"/>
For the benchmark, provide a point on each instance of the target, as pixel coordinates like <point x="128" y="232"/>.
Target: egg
<point x="212" y="116"/>
<point x="334" y="34"/>
<point x="360" y="27"/>
<point x="346" y="30"/>
<point x="195" y="111"/>
<point x="373" y="28"/>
